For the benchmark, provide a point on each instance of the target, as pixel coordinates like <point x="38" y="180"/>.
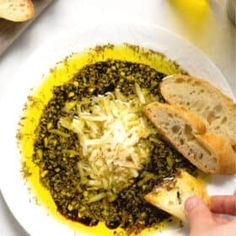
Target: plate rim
<point x="144" y="26"/>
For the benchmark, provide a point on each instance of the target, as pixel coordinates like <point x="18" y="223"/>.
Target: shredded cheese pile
<point x="111" y="131"/>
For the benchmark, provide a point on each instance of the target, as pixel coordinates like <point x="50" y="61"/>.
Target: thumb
<point x="198" y="214"/>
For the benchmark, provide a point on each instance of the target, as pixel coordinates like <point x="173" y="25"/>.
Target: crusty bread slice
<point x="210" y="153"/>
<point x="171" y="195"/>
<point x="16" y="10"/>
<point x="226" y="160"/>
<point x="217" y="110"/>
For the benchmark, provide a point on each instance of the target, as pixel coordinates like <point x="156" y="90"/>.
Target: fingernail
<point x="191" y="203"/>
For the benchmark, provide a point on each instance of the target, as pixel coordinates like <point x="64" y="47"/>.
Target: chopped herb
<point x="57" y="151"/>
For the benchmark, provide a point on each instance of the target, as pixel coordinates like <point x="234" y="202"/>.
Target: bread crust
<point x="205" y="83"/>
<point x="223" y="155"/>
<point x="224" y="151"/>
<point x="193" y="120"/>
<point x="6" y="10"/>
<point x="213" y="91"/>
<point x="171" y="195"/>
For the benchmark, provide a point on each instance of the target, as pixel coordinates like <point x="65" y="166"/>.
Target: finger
<point x="220" y="220"/>
<point x="223" y="204"/>
<point x="198" y="214"/>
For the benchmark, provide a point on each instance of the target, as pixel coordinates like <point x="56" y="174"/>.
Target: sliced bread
<point x="216" y="109"/>
<point x="171" y="195"/>
<point x="226" y="160"/>
<point x="16" y="10"/>
<point x="210" y="153"/>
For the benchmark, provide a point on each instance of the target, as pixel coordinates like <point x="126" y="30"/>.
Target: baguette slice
<point x="226" y="161"/>
<point x="210" y="153"/>
<point x="217" y="110"/>
<point x="171" y="196"/>
<point x="16" y="10"/>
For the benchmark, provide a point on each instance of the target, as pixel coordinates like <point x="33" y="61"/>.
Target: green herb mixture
<point x="57" y="151"/>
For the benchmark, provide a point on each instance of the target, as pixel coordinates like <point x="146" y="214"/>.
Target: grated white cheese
<point x="111" y="134"/>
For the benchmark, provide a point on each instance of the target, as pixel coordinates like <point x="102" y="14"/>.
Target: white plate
<point x="31" y="216"/>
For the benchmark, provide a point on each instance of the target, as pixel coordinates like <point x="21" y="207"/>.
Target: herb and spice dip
<point x="88" y="153"/>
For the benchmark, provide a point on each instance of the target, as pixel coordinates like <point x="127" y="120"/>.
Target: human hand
<point x="206" y="222"/>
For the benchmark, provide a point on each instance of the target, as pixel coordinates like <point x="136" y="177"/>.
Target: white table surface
<point x="213" y="33"/>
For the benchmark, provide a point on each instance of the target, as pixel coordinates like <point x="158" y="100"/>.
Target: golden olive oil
<point x="40" y="97"/>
